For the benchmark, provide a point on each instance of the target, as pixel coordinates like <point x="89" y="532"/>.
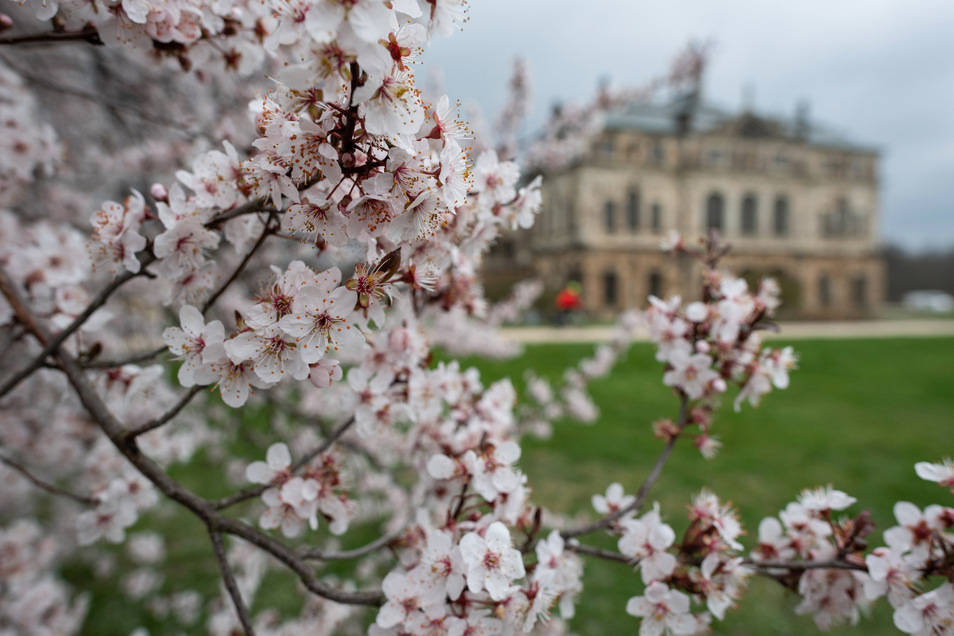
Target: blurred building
<point x="796" y="201"/>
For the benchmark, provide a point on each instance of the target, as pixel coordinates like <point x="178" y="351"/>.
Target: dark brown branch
<point x="54" y="342"/>
<point x="241" y="266"/>
<point x="165" y="417"/>
<point x="132" y="359"/>
<point x="345" y="555"/>
<point x="600" y="553"/>
<point x="761" y="566"/>
<point x="88" y="34"/>
<point x="202" y="508"/>
<point x="651" y="479"/>
<point x="240" y="607"/>
<point x="251" y="493"/>
<point x="48" y="487"/>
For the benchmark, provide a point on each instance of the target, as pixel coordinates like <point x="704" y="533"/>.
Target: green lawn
<point x="858" y="415"/>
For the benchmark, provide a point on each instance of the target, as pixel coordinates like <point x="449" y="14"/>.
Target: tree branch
<point x="88" y="34"/>
<point x="48" y="487"/>
<point x="251" y="493"/>
<point x="651" y="479"/>
<point x="165" y="417"/>
<point x="240" y="608"/>
<point x="202" y="508"/>
<point x="368" y="548"/>
<point x="53" y="343"/>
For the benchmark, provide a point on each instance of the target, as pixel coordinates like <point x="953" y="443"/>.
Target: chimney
<point x="802" y="126"/>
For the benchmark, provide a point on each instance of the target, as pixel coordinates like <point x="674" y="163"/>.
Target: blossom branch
<point x="269" y="228"/>
<point x="165" y="417"/>
<point x="201" y="507"/>
<point x="650" y="480"/>
<point x="251" y="493"/>
<point x="601" y="553"/>
<point x="833" y="564"/>
<point x="55" y="341"/>
<point x="88" y="34"/>
<point x="344" y="555"/>
<point x="229" y="579"/>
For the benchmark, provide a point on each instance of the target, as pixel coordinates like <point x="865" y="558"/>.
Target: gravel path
<point x="789" y="330"/>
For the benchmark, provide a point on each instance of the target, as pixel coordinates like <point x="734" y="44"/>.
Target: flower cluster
<point x="709" y="344"/>
<point x="703" y="569"/>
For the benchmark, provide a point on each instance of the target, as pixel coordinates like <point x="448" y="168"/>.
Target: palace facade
<point x="796" y="201"/>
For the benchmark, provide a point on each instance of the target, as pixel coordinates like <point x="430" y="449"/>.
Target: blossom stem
<point x="88" y="34"/>
<point x="202" y="508"/>
<point x="48" y="487"/>
<point x="229" y="579"/>
<point x="650" y="480"/>
<point x="165" y="417"/>
<point x="54" y="342"/>
<point x="269" y="227"/>
<point x="251" y="493"/>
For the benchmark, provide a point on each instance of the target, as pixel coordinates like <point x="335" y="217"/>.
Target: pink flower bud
<point x="159" y="192"/>
<point x="718" y="385"/>
<point x="5" y="22"/>
<point x="702" y="346"/>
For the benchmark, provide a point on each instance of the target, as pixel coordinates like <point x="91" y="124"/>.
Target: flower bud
<point x="702" y="346"/>
<point x="159" y="192"/>
<point x="6" y="22"/>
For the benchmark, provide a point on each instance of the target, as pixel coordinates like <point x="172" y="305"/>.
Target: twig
<point x="240" y="607"/>
<point x="88" y="34"/>
<point x="593" y="551"/>
<point x="241" y="267"/>
<point x="48" y="487"/>
<point x="805" y="565"/>
<point x="651" y="479"/>
<point x="344" y="555"/>
<point x="251" y="493"/>
<point x="54" y="342"/>
<point x="165" y="417"/>
<point x="202" y="508"/>
<point x="132" y="359"/>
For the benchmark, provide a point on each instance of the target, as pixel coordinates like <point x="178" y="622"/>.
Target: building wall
<point x="825" y="254"/>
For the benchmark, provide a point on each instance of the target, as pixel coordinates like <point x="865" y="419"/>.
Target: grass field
<point x="858" y="415"/>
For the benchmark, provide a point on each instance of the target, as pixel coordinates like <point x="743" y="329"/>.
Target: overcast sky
<point x="879" y="71"/>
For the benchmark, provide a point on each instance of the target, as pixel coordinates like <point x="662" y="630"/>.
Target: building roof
<point x="663" y="118"/>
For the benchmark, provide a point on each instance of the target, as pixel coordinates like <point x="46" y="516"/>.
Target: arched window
<point x="655" y="284"/>
<point x="715" y="212"/>
<point x="632" y="210"/>
<point x="609" y="217"/>
<point x="610" y="288"/>
<point x="750" y="218"/>
<point x="859" y="290"/>
<point x="824" y="290"/>
<point x="781" y="220"/>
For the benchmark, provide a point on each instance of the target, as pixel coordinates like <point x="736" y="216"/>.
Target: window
<point x="750" y="221"/>
<point x="658" y="153"/>
<point x="609" y="217"/>
<point x="824" y="290"/>
<point x="610" y="291"/>
<point x="655" y="284"/>
<point x="859" y="290"/>
<point x="656" y="220"/>
<point x="632" y="210"/>
<point x="781" y="216"/>
<point x="714" y="211"/>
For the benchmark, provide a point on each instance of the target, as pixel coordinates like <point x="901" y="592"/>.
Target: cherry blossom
<point x="491" y="561"/>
